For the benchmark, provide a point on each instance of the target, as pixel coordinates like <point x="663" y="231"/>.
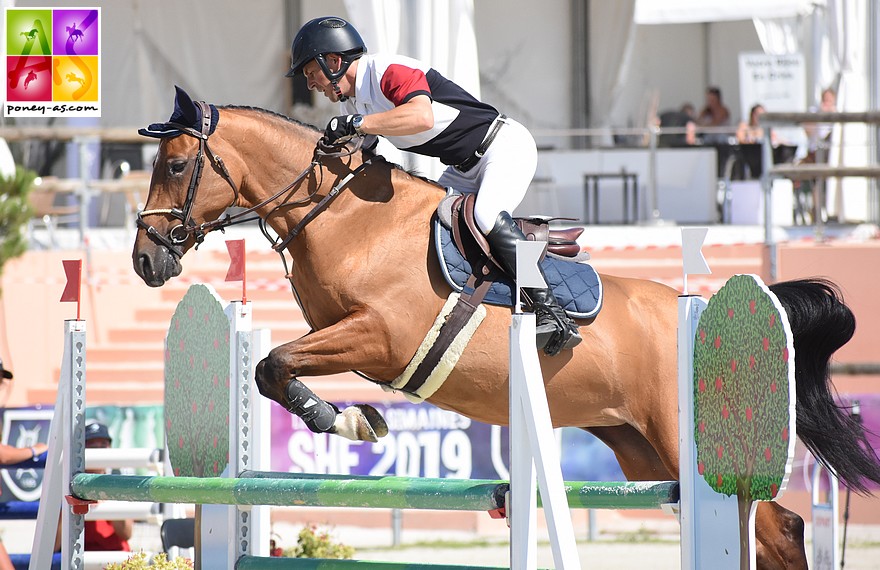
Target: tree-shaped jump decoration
<point x="744" y="396"/>
<point x="197" y="385"/>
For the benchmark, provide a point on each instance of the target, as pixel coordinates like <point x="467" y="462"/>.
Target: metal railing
<point x="806" y="171"/>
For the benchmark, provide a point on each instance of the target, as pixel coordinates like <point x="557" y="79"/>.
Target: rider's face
<point x="316" y="79"/>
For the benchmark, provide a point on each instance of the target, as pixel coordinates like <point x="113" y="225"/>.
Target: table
<point x="591" y="195"/>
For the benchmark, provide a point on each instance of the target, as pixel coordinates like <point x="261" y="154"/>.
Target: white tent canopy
<point x="695" y="11"/>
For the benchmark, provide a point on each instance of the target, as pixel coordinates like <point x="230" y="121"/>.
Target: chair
<point x="43" y="198"/>
<point x="131" y="188"/>
<point x="178" y="532"/>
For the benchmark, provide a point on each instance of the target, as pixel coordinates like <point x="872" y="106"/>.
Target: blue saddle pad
<point x="576" y="285"/>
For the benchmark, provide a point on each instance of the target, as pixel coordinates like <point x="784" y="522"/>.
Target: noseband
<point x="180" y="233"/>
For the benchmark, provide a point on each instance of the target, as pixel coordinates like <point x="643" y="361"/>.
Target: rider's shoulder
<point x="380" y="62"/>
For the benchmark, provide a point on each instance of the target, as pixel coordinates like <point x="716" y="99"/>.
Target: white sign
<point x="528" y="256"/>
<point x="777" y="82"/>
<point x="824" y="538"/>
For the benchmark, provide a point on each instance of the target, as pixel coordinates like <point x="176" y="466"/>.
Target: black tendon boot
<point x="554" y="330"/>
<point x="317" y="414"/>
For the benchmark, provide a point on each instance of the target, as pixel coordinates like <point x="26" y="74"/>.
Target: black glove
<point x="340" y="129"/>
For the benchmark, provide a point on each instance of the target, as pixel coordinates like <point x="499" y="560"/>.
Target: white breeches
<point x="500" y="179"/>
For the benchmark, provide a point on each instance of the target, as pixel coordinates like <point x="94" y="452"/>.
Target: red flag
<point x="237" y="266"/>
<point x="236" y="260"/>
<point x="73" y="270"/>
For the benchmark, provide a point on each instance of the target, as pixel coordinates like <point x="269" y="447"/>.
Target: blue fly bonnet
<point x="186" y="114"/>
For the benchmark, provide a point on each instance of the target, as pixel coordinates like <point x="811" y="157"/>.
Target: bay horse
<point x="364" y="273"/>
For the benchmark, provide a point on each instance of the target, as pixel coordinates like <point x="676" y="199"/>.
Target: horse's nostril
<point x="142" y="265"/>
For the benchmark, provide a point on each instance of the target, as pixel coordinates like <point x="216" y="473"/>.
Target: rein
<point x="180" y="233"/>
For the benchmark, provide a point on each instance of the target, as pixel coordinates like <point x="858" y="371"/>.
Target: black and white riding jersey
<point x="384" y="82"/>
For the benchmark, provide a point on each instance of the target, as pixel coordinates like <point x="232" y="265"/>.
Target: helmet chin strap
<point x="338" y="91"/>
<point x="334" y="76"/>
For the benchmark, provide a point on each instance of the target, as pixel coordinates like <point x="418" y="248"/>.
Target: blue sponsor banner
<point x="425" y="441"/>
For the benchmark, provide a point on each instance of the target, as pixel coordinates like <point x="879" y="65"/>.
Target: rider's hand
<point x="340" y="129"/>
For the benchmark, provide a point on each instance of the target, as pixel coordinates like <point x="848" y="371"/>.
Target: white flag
<point x="692" y="258"/>
<point x="528" y="254"/>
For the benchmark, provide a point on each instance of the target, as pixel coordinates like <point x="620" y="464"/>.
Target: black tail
<point x="821" y="323"/>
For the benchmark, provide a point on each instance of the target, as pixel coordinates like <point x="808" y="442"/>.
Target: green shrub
<point x="15" y="212"/>
<point x="141" y="560"/>
<point x="315" y="543"/>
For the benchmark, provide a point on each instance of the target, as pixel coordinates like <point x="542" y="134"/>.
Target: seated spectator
<point x="752" y="132"/>
<point x="683" y="118"/>
<point x="10" y="454"/>
<point x="810" y="194"/>
<point x="819" y="134"/>
<point x="275" y="550"/>
<point x="101" y="534"/>
<point x="714" y="114"/>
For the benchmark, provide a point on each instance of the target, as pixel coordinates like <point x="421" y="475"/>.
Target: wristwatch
<point x="356" y="122"/>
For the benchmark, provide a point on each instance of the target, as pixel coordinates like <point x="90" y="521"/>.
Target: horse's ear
<point x="185" y="111"/>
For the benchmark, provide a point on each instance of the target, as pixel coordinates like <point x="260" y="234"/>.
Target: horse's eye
<point x="176" y="167"/>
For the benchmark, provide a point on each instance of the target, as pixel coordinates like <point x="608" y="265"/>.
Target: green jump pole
<point x="263" y="563"/>
<point x="294" y="489"/>
<point x="581" y="494"/>
<point x="620" y="494"/>
<point x="380" y="492"/>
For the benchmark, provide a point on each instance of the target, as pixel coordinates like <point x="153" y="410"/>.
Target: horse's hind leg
<point x="779" y="533"/>
<point x="779" y="537"/>
<point x="638" y="459"/>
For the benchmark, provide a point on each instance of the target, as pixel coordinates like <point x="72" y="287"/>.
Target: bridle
<point x="179" y="234"/>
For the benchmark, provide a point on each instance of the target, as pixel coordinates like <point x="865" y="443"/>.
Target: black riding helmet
<point x="320" y="37"/>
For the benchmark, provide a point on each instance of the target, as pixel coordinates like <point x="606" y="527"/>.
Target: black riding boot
<point x="554" y="329"/>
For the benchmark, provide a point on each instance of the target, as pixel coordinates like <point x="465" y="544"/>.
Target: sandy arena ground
<point x="654" y="548"/>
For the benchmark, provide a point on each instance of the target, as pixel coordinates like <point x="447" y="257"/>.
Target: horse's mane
<point x="271" y="114"/>
<point x="311" y="127"/>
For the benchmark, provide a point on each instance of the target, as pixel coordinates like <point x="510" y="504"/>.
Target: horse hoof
<point x="360" y="422"/>
<point x="374" y="418"/>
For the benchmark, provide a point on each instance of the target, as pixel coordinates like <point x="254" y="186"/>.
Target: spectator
<point x="102" y="534"/>
<point x="683" y="118"/>
<point x="819" y="134"/>
<point x="275" y="551"/>
<point x="714" y="114"/>
<point x="810" y="194"/>
<point x="10" y="454"/>
<point x="752" y="132"/>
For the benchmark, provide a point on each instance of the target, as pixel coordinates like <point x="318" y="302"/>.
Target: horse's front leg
<point x="354" y="343"/>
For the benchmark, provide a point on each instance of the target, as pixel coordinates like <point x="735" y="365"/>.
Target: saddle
<point x="457" y="211"/>
<point x="468" y="266"/>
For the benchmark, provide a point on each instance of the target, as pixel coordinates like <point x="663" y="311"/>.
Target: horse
<point x="29" y="35"/>
<point x="74" y="78"/>
<point x="31" y="76"/>
<point x="73" y="33"/>
<point x="365" y="275"/>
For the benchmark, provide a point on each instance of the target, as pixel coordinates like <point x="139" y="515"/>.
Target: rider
<point x="420" y="111"/>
